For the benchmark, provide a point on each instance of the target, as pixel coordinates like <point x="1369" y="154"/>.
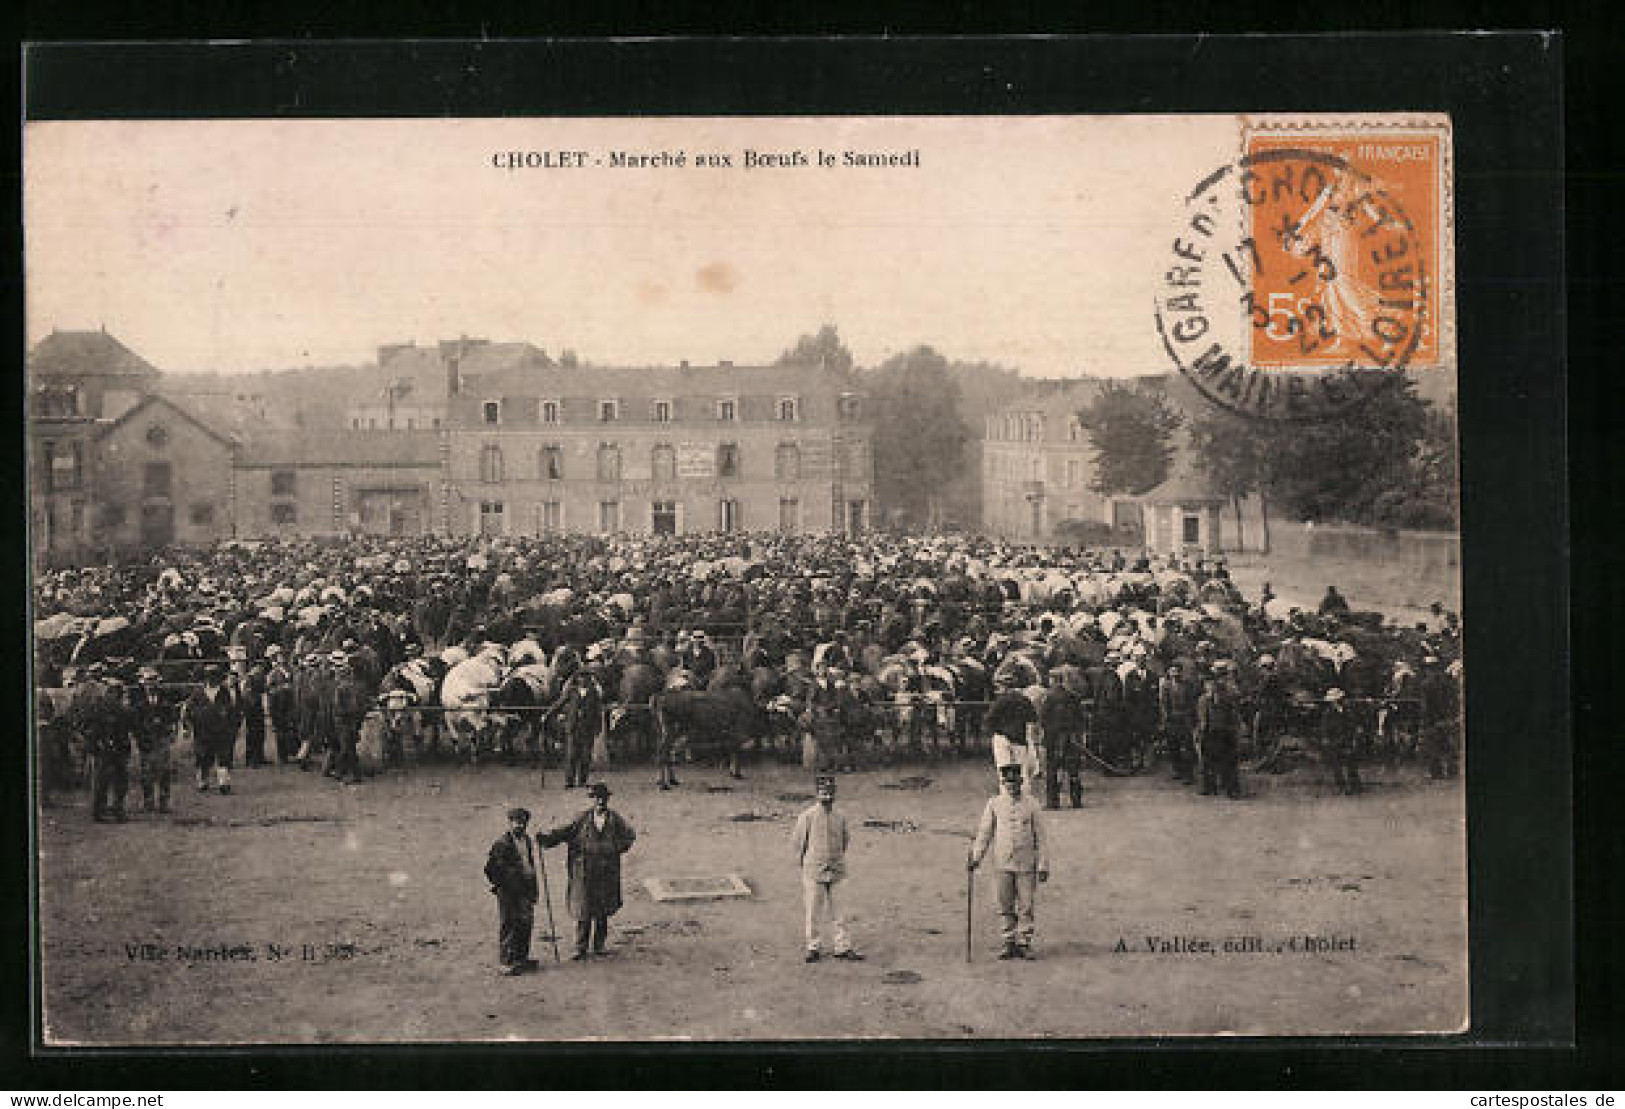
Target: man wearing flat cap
<point x="597" y="838"/>
<point x="821" y="840"/>
<point x="511" y="870"/>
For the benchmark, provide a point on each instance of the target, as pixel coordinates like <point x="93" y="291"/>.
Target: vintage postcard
<point x="745" y="579"/>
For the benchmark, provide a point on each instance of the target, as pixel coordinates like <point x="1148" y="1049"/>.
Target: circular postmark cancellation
<point x="1296" y="288"/>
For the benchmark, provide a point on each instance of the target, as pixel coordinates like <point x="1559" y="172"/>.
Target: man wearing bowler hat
<point x="597" y="838"/>
<point x="511" y="870"/>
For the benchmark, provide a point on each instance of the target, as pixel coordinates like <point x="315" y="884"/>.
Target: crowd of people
<point x="351" y="654"/>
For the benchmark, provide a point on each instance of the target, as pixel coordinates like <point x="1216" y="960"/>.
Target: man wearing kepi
<point x="511" y="870"/>
<point x="597" y="838"/>
<point x="821" y="840"/>
<point x="1014" y="831"/>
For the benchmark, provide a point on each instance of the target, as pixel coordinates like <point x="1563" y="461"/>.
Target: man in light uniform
<point x="820" y="840"/>
<point x="1014" y="831"/>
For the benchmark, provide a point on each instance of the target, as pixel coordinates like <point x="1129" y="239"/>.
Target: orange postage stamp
<point x="1365" y="218"/>
<point x="1313" y="270"/>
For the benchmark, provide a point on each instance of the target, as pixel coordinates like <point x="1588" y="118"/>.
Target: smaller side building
<point x="1182" y="515"/>
<point x="325" y="482"/>
<point x="162" y="476"/>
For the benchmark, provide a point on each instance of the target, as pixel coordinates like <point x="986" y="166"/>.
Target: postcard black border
<point x="1504" y="95"/>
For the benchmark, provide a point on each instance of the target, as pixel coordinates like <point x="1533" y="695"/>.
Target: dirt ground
<point x="383" y="882"/>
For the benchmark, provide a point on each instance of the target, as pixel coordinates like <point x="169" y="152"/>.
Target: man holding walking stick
<point x="511" y="870"/>
<point x="1014" y="831"/>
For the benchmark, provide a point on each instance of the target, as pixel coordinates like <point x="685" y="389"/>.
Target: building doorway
<point x="1191" y="530"/>
<point x="728" y="515"/>
<point x="856" y="516"/>
<point x="157" y="525"/>
<point x="663" y="517"/>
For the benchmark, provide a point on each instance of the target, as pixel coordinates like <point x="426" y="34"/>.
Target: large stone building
<point x="463" y="438"/>
<point x="536" y="447"/>
<point x="1037" y="463"/>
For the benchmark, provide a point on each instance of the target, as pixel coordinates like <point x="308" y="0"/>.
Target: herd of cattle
<point x="721" y="646"/>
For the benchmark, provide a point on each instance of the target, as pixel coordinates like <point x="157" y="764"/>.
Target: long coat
<point x="594" y="862"/>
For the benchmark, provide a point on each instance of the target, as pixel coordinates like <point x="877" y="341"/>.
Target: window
<point x="663" y="517"/>
<point x="1074" y="471"/>
<point x="787" y="462"/>
<point x="663" y="462"/>
<point x="492" y="411"/>
<point x="113" y="516"/>
<point x="284" y="483"/>
<point x="728" y="460"/>
<point x="284" y="512"/>
<point x="550" y="412"/>
<point x="849" y="407"/>
<point x="202" y="515"/>
<point x="727" y="409"/>
<point x="157" y="436"/>
<point x="551" y="464"/>
<point x="609" y="462"/>
<point x="550" y="516"/>
<point x="790" y="409"/>
<point x="662" y="412"/>
<point x="491" y="463"/>
<point x="490" y="517"/>
<point x="1192" y="529"/>
<point x="411" y="424"/>
<point x="372" y="423"/>
<point x="155" y="481"/>
<point x="437" y="421"/>
<point x="728" y="515"/>
<point x="609" y="517"/>
<point x="789" y="514"/>
<point x="64" y="466"/>
<point x="609" y="411"/>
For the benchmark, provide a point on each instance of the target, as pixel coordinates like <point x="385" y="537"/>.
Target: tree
<point x="1349" y="468"/>
<point x="823" y="349"/>
<point x="1231" y="452"/>
<point x="920" y="448"/>
<point x="1131" y="429"/>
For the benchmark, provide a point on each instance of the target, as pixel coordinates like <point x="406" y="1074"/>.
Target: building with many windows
<point x="535" y="447"/>
<point x="1037" y="463"/>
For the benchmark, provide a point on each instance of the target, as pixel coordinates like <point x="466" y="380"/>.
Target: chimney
<point x="726" y="363"/>
<point x="683" y="364"/>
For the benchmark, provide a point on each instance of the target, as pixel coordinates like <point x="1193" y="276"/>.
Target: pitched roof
<point x="1186" y="486"/>
<point x="152" y="400"/>
<point x="83" y="353"/>
<point x="326" y="447"/>
<point x="648" y="381"/>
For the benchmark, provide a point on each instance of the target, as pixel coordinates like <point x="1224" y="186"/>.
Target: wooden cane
<point x="970" y="886"/>
<point x="547" y="896"/>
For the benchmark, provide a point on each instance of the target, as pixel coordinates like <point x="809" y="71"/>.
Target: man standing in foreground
<point x="1012" y="828"/>
<point x="511" y="870"/>
<point x="821" y="840"/>
<point x="597" y="838"/>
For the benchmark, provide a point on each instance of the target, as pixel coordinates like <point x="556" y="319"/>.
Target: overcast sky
<point x="236" y="246"/>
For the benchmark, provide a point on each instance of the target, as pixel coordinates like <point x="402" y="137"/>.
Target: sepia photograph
<point x="727" y="579"/>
